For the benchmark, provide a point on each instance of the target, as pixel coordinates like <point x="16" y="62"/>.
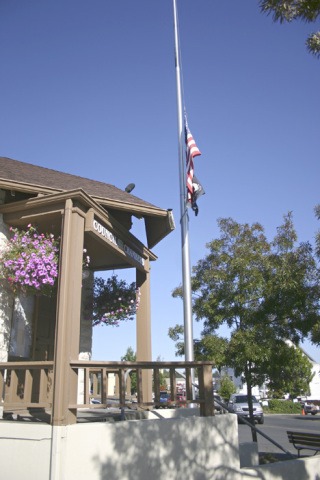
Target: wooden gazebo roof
<point x="22" y="180"/>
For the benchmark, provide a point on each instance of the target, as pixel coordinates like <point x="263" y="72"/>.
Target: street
<point x="276" y="427"/>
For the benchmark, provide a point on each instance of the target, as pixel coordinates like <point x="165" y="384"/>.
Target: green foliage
<point x="264" y="291"/>
<point x="229" y="281"/>
<point x="289" y="371"/>
<point x="289" y="10"/>
<point x="163" y="375"/>
<point x="176" y="334"/>
<point x="282" y="406"/>
<point x="209" y="347"/>
<point x="227" y="387"/>
<point x="130" y="356"/>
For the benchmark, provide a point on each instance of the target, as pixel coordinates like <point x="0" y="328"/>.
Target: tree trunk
<point x="249" y="392"/>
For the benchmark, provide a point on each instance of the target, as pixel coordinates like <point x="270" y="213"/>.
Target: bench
<point x="305" y="441"/>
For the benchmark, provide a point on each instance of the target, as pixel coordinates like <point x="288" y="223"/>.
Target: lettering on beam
<point x="104" y="232"/>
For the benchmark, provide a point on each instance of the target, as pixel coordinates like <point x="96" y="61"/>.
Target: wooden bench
<point x="305" y="441"/>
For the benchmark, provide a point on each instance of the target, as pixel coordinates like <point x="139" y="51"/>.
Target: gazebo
<point x="98" y="217"/>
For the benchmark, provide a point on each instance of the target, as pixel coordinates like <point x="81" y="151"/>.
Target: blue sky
<point x="89" y="88"/>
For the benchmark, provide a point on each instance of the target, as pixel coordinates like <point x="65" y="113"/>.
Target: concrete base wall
<point x="186" y="448"/>
<point x="182" y="448"/>
<point x="300" y="469"/>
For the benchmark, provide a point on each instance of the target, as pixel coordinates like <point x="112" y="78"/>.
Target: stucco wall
<point x="189" y="448"/>
<point x="6" y="302"/>
<point x="301" y="469"/>
<point x="183" y="448"/>
<point x="16" y="315"/>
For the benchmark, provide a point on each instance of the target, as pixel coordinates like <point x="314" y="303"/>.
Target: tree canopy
<point x="227" y="387"/>
<point x="130" y="356"/>
<point x="280" y="367"/>
<point x="246" y="281"/>
<point x="289" y="10"/>
<point x="209" y="347"/>
<point x="266" y="292"/>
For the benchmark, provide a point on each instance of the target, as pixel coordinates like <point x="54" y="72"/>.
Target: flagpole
<point x="184" y="220"/>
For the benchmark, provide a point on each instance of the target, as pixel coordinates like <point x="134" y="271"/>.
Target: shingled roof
<point x="33" y="179"/>
<point x="45" y="178"/>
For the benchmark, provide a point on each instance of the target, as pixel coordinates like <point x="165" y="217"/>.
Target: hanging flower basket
<point x="114" y="301"/>
<point x="29" y="263"/>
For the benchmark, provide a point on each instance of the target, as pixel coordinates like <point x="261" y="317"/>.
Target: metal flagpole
<point x="184" y="221"/>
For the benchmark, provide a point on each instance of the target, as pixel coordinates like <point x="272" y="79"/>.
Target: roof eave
<point x="158" y="222"/>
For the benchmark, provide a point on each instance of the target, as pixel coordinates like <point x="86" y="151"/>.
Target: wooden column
<point x="144" y="330"/>
<point x="68" y="316"/>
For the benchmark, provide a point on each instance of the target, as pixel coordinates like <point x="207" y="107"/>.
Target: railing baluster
<point x="2" y="376"/>
<point x="86" y="385"/>
<point x="156" y="384"/>
<point x="188" y="384"/>
<point x="12" y="393"/>
<point x="104" y="385"/>
<point x="173" y="390"/>
<point x="139" y="385"/>
<point x="122" y="387"/>
<point x="28" y="381"/>
<point x="43" y="391"/>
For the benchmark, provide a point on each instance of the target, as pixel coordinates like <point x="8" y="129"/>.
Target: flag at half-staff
<point x="194" y="187"/>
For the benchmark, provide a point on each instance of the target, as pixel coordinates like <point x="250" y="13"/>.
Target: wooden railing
<point x="26" y="385"/>
<point x="96" y="379"/>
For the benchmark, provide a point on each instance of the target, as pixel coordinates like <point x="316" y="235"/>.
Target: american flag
<point x="192" y="151"/>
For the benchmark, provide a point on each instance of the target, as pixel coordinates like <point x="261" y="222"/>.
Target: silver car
<point x="238" y="404"/>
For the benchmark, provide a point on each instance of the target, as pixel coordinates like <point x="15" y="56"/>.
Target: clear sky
<point x="89" y="88"/>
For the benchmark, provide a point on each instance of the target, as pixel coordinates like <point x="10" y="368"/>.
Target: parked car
<point x="238" y="403"/>
<point x="310" y="408"/>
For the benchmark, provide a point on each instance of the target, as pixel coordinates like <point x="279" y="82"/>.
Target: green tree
<point x="265" y="292"/>
<point x="289" y="371"/>
<point x="163" y="375"/>
<point x="289" y="10"/>
<point x="227" y="387"/>
<point x="209" y="347"/>
<point x="130" y="356"/>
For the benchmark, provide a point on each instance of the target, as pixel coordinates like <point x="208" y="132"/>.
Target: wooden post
<point x="206" y="391"/>
<point x="144" y="330"/>
<point x="68" y="316"/>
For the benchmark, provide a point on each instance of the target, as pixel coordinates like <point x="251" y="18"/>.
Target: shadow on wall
<point x="192" y="448"/>
<point x="189" y="449"/>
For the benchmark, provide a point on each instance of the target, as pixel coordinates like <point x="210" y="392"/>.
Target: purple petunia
<point x="31" y="260"/>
